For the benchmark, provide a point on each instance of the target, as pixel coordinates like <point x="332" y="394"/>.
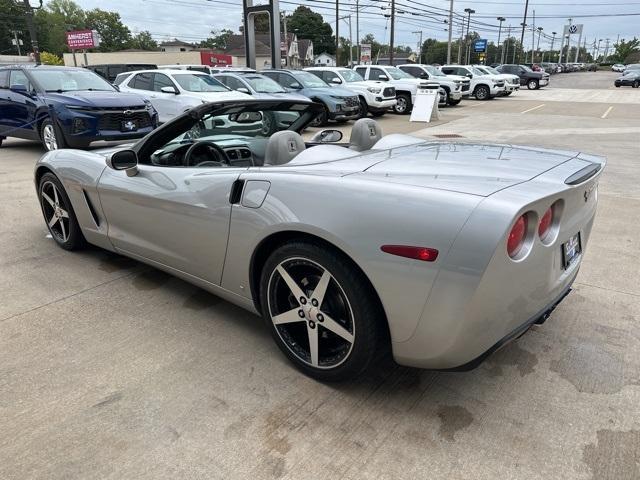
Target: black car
<point x="629" y="79"/>
<point x="111" y="70"/>
<point x="533" y="80"/>
<point x="68" y="107"/>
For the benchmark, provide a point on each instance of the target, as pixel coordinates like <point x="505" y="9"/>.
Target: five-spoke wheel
<point x="58" y="213"/>
<point x="321" y="312"/>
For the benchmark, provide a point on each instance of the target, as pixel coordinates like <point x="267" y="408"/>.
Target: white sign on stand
<point x="425" y="108"/>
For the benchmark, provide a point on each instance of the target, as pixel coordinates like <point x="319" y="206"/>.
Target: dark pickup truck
<point x="533" y="80"/>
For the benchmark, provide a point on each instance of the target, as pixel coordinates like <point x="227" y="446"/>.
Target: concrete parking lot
<point x="110" y="369"/>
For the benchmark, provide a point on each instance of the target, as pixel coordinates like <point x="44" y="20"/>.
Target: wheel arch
<point x="271" y="242"/>
<point x="40" y="171"/>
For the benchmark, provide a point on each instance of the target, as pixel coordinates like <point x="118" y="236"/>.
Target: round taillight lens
<point x="545" y="223"/>
<point x="516" y="236"/>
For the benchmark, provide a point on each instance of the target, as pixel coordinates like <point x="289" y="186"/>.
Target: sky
<point x="192" y="20"/>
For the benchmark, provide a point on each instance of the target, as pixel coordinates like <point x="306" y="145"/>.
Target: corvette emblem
<point x="372" y="130"/>
<point x="292" y="146"/>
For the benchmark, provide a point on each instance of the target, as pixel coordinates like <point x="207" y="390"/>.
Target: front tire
<point x="322" y="119"/>
<point x="364" y="108"/>
<point x="58" y="213"/>
<point x="533" y="85"/>
<point x="321" y="311"/>
<point x="482" y="92"/>
<point x="403" y="104"/>
<point x="453" y="103"/>
<point x="50" y="139"/>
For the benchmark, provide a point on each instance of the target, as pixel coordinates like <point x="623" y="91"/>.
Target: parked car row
<point x="630" y="76"/>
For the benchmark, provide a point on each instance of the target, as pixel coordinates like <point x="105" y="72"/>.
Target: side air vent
<point x="91" y="209"/>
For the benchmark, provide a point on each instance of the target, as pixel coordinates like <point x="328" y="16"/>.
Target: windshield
<point x="70" y="80"/>
<point x="195" y="82"/>
<point x="526" y="69"/>
<point x="398" y="74"/>
<point x="309" y="80"/>
<point x="350" y="75"/>
<point x="263" y="84"/>
<point x="477" y="71"/>
<point x="491" y="70"/>
<point x="433" y="71"/>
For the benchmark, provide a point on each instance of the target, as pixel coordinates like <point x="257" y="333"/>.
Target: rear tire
<point x="403" y="104"/>
<point x="58" y="213"/>
<point x="636" y="84"/>
<point x="329" y="332"/>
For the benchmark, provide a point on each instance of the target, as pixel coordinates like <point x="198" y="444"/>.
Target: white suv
<point x="511" y="82"/>
<point x="375" y="97"/>
<point x="483" y="86"/>
<point x="406" y="86"/>
<point x="173" y="92"/>
<point x="455" y="87"/>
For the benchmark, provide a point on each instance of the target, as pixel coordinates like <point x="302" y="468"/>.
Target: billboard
<point x="480" y="45"/>
<point x="365" y="53"/>
<point x="215" y="59"/>
<point x="82" y="39"/>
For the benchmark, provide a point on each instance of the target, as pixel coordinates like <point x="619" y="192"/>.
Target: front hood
<point x="96" y="99"/>
<point x="332" y="91"/>
<point x="475" y="169"/>
<point x="294" y="97"/>
<point x="367" y="84"/>
<point x="457" y="78"/>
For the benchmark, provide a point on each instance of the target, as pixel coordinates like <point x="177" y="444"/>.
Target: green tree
<point x="12" y="18"/>
<point x="305" y="23"/>
<point x="50" y="59"/>
<point x="54" y="20"/>
<point x="113" y="33"/>
<point x="624" y="49"/>
<point x="219" y="40"/>
<point x="143" y="41"/>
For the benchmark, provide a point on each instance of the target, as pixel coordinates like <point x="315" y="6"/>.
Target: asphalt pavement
<point x="110" y="369"/>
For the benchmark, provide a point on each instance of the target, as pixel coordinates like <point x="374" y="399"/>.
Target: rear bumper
<point x="538" y="319"/>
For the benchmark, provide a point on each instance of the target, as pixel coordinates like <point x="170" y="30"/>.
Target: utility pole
<point x="419" y="46"/>
<point x="533" y="35"/>
<point x="553" y="39"/>
<point x="17" y="40"/>
<point x="500" y="19"/>
<point x="450" y="33"/>
<point x="524" y="24"/>
<point x="506" y="42"/>
<point x="598" y="50"/>
<point x="286" y="39"/>
<point x="460" y="45"/>
<point x="468" y="54"/>
<point x="606" y="51"/>
<point x="538" y="47"/>
<point x="32" y="30"/>
<point x="337" y="33"/>
<point x="393" y="21"/>
<point x="358" y="29"/>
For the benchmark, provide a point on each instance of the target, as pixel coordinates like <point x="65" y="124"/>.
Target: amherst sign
<point x="82" y="39"/>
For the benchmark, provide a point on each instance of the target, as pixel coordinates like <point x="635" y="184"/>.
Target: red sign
<point x="215" y="59"/>
<point x="80" y="39"/>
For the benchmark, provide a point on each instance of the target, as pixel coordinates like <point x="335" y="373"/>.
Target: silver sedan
<point x="442" y="251"/>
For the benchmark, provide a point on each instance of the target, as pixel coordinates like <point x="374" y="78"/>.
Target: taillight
<point x="545" y="223"/>
<point x="517" y="236"/>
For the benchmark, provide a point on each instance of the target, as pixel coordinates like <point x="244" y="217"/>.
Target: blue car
<point x="68" y="107"/>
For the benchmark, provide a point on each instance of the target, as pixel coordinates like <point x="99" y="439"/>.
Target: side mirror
<point x="383" y="78"/>
<point x="336" y="80"/>
<point x="126" y="160"/>
<point x="243" y="90"/>
<point x="424" y="75"/>
<point x="169" y="90"/>
<point x="296" y="86"/>
<point x="327" y="136"/>
<point x="19" y="88"/>
<point x="469" y="75"/>
<point x="116" y="87"/>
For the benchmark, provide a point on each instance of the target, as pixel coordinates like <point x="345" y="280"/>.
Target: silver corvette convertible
<point x="442" y="251"/>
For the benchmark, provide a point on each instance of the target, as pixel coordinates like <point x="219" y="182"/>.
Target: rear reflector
<point x="416" y="253"/>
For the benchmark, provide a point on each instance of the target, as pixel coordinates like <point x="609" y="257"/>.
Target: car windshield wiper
<point x="59" y="90"/>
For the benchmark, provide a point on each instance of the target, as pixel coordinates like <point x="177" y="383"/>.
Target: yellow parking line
<point x="606" y="114"/>
<point x="534" y="108"/>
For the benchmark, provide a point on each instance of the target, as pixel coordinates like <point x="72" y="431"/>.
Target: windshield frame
<point x="301" y="74"/>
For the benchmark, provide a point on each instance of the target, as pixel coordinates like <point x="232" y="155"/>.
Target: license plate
<point x="570" y="250"/>
<point x="128" y="126"/>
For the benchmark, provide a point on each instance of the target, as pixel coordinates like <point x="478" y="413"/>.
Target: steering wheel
<point x="220" y="157"/>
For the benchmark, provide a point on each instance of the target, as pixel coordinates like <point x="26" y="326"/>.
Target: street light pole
<point x="538" y="47"/>
<point x="524" y="24"/>
<point x="32" y="29"/>
<point x="337" y="33"/>
<point x="553" y="40"/>
<point x="500" y="19"/>
<point x="358" y="29"/>
<point x="392" y="33"/>
<point x="450" y="32"/>
<point x="468" y="55"/>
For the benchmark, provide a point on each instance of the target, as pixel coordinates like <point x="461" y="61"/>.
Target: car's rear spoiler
<point x="583" y="174"/>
